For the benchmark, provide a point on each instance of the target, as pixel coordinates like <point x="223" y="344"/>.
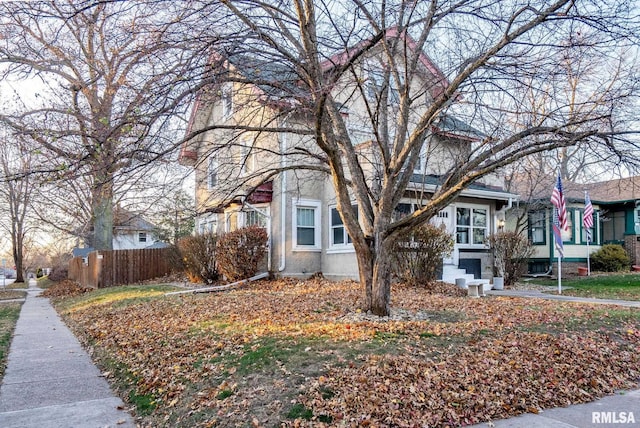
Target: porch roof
<point x="430" y="183"/>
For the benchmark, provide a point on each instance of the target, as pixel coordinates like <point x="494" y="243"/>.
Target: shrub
<point x="240" y="252"/>
<point x="610" y="258"/>
<point x="59" y="273"/>
<point x="418" y="255"/>
<point x="511" y="252"/>
<point x="198" y="254"/>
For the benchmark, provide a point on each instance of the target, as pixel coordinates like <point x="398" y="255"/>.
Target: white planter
<point x="498" y="283"/>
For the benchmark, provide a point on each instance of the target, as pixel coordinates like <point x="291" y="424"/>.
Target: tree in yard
<point x="584" y="78"/>
<point x="174" y="216"/>
<point x="489" y="53"/>
<point x="16" y="193"/>
<point x="115" y="75"/>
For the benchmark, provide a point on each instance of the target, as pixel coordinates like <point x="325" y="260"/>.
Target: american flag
<point x="559" y="215"/>
<point x="587" y="218"/>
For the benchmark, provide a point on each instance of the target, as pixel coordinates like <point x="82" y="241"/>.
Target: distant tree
<point x="17" y="188"/>
<point x="489" y="54"/>
<point x="174" y="215"/>
<point x="115" y="75"/>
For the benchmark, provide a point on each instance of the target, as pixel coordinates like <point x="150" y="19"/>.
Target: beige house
<point x="249" y="171"/>
<point x="616" y="220"/>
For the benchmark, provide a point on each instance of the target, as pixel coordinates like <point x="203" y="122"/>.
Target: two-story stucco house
<point x="245" y="176"/>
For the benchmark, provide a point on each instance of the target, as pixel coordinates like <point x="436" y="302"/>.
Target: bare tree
<point x="489" y="54"/>
<point x="174" y="216"/>
<point x="16" y="192"/>
<point x="115" y="76"/>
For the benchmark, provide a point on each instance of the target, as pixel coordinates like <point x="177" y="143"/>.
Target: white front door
<point x="446" y="217"/>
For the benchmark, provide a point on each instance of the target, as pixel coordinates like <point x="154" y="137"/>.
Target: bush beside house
<point x="511" y="252"/>
<point x="199" y="257"/>
<point x="610" y="258"/>
<point x="419" y="254"/>
<point x="236" y="254"/>
<point x="240" y="252"/>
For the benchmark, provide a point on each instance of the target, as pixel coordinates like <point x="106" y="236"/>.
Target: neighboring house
<point x="298" y="208"/>
<point x="130" y="231"/>
<point x="616" y="218"/>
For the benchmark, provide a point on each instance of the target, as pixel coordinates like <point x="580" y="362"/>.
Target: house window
<point x="567" y="234"/>
<point x="583" y="235"/>
<point x="537" y="228"/>
<point x="402" y="210"/>
<point x="255" y="218"/>
<point x="379" y="80"/>
<point x="471" y="225"/>
<point x="208" y="226"/>
<point x="339" y="236"/>
<point x="306" y="227"/>
<point x="247" y="159"/>
<point x="422" y="161"/>
<point x="212" y="172"/>
<point x="142" y="237"/>
<point x="227" y="100"/>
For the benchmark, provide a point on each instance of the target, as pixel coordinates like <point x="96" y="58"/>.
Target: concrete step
<point x="452" y="278"/>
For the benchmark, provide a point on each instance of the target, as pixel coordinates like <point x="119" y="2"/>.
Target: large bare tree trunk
<point x="103" y="215"/>
<point x="375" y="269"/>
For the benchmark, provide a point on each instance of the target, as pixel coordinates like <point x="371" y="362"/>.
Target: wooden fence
<point x="119" y="267"/>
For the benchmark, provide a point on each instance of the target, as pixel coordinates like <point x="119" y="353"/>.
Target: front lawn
<point x="602" y="286"/>
<point x="289" y="352"/>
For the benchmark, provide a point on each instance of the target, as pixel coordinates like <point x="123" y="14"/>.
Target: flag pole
<point x="559" y="274"/>
<point x="587" y="200"/>
<point x="559" y="223"/>
<point x="588" y="255"/>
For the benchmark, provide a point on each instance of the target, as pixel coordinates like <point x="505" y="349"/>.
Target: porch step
<point x="450" y="273"/>
<point x="452" y="278"/>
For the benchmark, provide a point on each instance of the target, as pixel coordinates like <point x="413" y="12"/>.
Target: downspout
<point x="504" y="209"/>
<point x="283" y="200"/>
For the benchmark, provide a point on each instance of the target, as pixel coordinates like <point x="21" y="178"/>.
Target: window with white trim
<point x="421" y="163"/>
<point x="212" y="172"/>
<point x="142" y="236"/>
<point x="247" y="158"/>
<point x="256" y="217"/>
<point x="472" y="225"/>
<point x="339" y="237"/>
<point x="227" y="100"/>
<point x="380" y="80"/>
<point x="209" y="225"/>
<point x="306" y="225"/>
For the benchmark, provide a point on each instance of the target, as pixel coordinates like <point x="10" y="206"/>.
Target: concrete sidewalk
<point x="622" y="408"/>
<point x="540" y="295"/>
<point x="50" y="381"/>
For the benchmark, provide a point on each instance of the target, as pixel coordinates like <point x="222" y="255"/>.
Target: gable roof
<point x="450" y="126"/>
<point x="619" y="190"/>
<point x="539" y="188"/>
<point x="124" y="220"/>
<point x="276" y="82"/>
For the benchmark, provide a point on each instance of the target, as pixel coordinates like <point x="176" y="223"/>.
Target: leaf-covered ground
<point x="298" y="353"/>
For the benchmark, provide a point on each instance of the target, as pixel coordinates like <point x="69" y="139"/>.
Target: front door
<point x="446" y="218"/>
